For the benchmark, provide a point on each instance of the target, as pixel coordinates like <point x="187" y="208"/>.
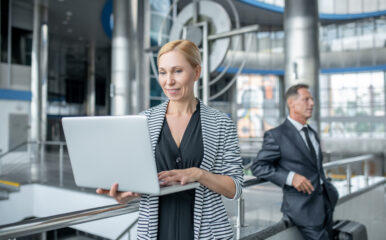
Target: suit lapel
<point x="320" y="154"/>
<point x="294" y="134"/>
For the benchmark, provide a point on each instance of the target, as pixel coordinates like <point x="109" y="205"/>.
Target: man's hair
<point x="293" y="90"/>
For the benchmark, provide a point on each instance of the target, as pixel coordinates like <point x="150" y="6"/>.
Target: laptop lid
<point x="109" y="149"/>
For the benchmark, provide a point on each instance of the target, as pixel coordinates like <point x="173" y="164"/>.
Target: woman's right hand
<point x="120" y="197"/>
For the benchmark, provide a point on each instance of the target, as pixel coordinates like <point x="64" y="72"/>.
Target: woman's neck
<point x="182" y="107"/>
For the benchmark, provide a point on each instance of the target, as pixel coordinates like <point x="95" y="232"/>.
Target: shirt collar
<point x="296" y="124"/>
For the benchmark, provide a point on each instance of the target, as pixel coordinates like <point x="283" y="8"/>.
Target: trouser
<point x="321" y="232"/>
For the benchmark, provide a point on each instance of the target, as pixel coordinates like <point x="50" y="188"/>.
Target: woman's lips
<point x="173" y="91"/>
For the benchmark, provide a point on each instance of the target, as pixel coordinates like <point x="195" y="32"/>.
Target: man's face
<point x="302" y="105"/>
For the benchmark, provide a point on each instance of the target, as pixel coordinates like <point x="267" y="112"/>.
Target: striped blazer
<point x="221" y="156"/>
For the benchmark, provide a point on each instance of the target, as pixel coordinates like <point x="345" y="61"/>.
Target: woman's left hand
<point x="181" y="176"/>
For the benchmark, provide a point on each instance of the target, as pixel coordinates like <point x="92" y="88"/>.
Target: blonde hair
<point x="186" y="48"/>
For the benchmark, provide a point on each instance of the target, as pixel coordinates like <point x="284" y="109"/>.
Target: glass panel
<point x="349" y="36"/>
<point x="258" y="104"/>
<point x="370" y="5"/>
<point x="365" y="34"/>
<point x="355" y="6"/>
<point x="353" y="95"/>
<point x="326" y="6"/>
<point x="264" y="42"/>
<point x="341" y="6"/>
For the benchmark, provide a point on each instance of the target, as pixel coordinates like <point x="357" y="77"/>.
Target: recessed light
<point x="69" y="13"/>
<point x="69" y="30"/>
<point x="64" y="22"/>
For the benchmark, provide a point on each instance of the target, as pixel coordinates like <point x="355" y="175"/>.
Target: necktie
<point x="309" y="143"/>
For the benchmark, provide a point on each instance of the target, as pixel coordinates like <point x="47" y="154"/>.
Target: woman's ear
<point x="197" y="72"/>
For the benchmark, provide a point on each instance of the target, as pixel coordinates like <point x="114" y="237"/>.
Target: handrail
<point x="347" y="161"/>
<point x="14" y="148"/>
<point x="33" y="226"/>
<point x="68" y="219"/>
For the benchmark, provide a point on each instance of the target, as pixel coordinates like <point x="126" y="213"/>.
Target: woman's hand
<point x="120" y="197"/>
<point x="221" y="184"/>
<point x="180" y="176"/>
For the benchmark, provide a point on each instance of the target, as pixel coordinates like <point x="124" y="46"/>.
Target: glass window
<point x="264" y="41"/>
<point x="355" y="6"/>
<point x="349" y="36"/>
<point x="326" y="6"/>
<point x="365" y="34"/>
<point x="352" y="95"/>
<point x="277" y="41"/>
<point x="258" y="104"/>
<point x="380" y="36"/>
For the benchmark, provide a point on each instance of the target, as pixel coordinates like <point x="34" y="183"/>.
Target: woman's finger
<point x="102" y="191"/>
<point x="113" y="190"/>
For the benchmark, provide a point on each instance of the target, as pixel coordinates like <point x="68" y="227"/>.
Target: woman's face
<point x="176" y="76"/>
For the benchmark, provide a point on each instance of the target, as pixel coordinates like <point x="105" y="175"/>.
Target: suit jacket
<point x="221" y="156"/>
<point x="283" y="151"/>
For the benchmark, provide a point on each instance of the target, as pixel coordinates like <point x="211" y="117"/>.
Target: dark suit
<point x="283" y="151"/>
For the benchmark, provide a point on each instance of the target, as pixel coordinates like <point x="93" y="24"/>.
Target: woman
<point x="192" y="143"/>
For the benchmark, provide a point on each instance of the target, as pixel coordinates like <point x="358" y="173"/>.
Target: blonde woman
<point x="192" y="142"/>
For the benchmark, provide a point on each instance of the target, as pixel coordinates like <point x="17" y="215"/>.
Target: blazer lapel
<point x="294" y="134"/>
<point x="155" y="122"/>
<point x="210" y="142"/>
<point x="209" y="136"/>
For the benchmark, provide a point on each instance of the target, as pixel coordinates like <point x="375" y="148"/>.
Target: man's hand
<point x="302" y="184"/>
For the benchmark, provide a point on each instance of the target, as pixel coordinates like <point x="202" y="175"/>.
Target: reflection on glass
<point x="354" y="105"/>
<point x="258" y="104"/>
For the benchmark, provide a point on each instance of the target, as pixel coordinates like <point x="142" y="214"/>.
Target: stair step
<point x="9" y="186"/>
<point x="4" y="195"/>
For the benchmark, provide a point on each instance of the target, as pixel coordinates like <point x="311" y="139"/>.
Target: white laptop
<point x="114" y="149"/>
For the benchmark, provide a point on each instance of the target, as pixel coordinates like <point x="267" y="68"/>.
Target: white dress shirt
<point x="314" y="142"/>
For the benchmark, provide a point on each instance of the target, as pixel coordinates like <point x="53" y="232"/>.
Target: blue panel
<point x="323" y="71"/>
<point x="274" y="8"/>
<point x="264" y="5"/>
<point x="253" y="71"/>
<point x="106" y="18"/>
<point x="9" y="94"/>
<point x="354" y="69"/>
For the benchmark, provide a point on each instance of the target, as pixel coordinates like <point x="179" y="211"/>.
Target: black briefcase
<point x="349" y="230"/>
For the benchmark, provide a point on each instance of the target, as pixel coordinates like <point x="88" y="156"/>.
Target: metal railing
<point x="39" y="225"/>
<point x="35" y="158"/>
<point x="65" y="220"/>
<point x="347" y="162"/>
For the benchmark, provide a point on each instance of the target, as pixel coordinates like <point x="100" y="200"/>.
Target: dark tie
<point x="309" y="143"/>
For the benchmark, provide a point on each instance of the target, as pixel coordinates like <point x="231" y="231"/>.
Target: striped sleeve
<point x="232" y="163"/>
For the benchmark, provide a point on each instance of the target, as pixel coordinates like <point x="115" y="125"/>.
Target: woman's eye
<point x="162" y="73"/>
<point x="179" y="71"/>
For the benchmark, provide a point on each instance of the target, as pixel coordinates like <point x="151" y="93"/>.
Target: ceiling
<point x="77" y="21"/>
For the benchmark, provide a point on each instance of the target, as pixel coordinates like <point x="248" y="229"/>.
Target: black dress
<point x="175" y="211"/>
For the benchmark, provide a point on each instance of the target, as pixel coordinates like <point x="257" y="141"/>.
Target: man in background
<point x="292" y="159"/>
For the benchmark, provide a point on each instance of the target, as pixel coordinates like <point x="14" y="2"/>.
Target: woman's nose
<point x="170" y="79"/>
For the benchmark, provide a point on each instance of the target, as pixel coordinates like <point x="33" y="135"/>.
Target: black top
<point x="175" y="211"/>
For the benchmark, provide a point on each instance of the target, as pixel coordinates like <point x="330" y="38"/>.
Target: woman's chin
<point x="175" y="97"/>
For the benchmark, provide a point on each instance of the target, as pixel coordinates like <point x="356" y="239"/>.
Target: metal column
<point x="120" y="87"/>
<point x="301" y="28"/>
<point x="142" y="64"/>
<point x="90" y="105"/>
<point x="34" y="131"/>
<point x="9" y="45"/>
